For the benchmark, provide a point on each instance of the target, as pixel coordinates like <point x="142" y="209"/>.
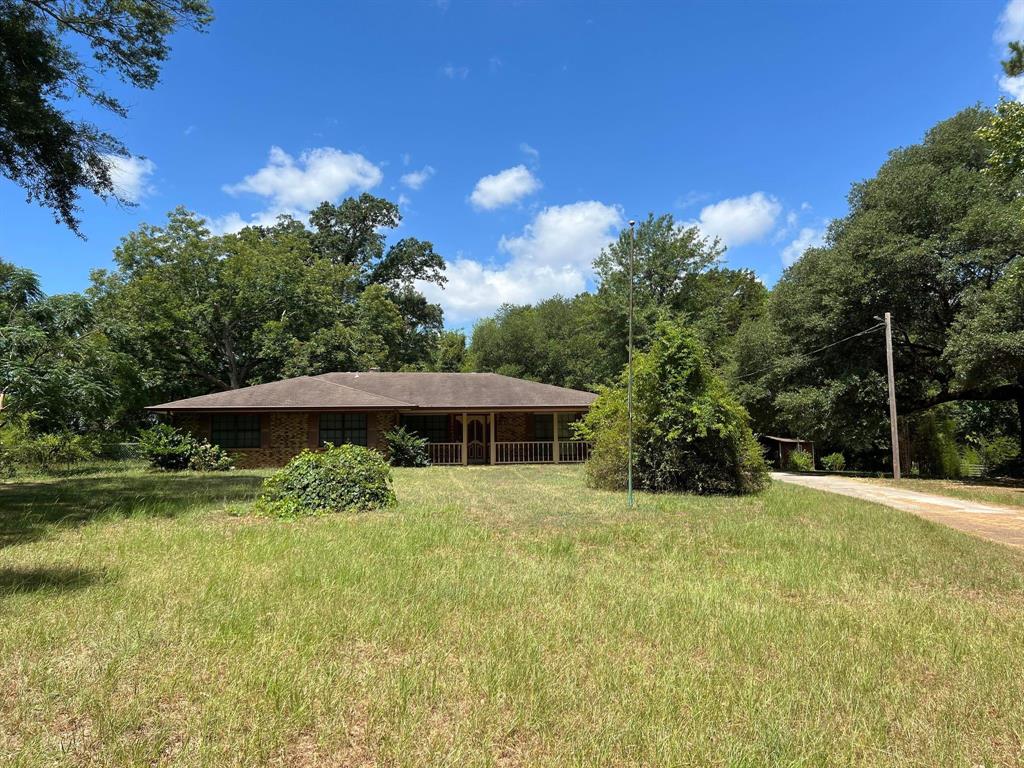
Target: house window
<point x="339" y="428"/>
<point x="542" y="426"/>
<point x="235" y="430"/>
<point x="433" y="427"/>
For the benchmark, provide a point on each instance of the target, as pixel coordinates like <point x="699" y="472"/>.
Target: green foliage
<point x="1013" y="65"/>
<point x="1004" y="135"/>
<point x="799" y="460"/>
<point x="689" y="433"/>
<point x="21" y="447"/>
<point x="57" y="369"/>
<point x="165" y="447"/>
<point x="337" y="479"/>
<point x="581" y="342"/>
<point x="44" y="145"/>
<point x="932" y="238"/>
<point x="406" y="449"/>
<point x="999" y="455"/>
<point x="558" y="341"/>
<point x="933" y="445"/>
<point x="206" y="457"/>
<point x="833" y="462"/>
<point x="274" y="302"/>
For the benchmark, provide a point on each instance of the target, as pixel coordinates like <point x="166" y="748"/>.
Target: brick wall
<point x="513" y="427"/>
<point x="376" y="425"/>
<point x="284" y="435"/>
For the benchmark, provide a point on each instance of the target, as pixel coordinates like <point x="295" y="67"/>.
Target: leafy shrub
<point x="406" y="449"/>
<point x="207" y="457"/>
<point x="833" y="462"/>
<point x="999" y="454"/>
<point x="338" y="479"/>
<point x="800" y="460"/>
<point x="934" y="445"/>
<point x="51" y="449"/>
<point x="689" y="434"/>
<point x="165" y="447"/>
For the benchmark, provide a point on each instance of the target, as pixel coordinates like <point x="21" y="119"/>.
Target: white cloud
<point x="1013" y="86"/>
<point x="739" y="220"/>
<point x="234" y="221"/>
<point x="1011" y="28"/>
<point x="530" y="152"/>
<point x="553" y="255"/>
<point x="293" y="187"/>
<point x="807" y="238"/>
<point x="504" y="188"/>
<point x="319" y="174"/>
<point x="455" y="73"/>
<point x="130" y="176"/>
<point x="416" y="179"/>
<point x="1011" y="22"/>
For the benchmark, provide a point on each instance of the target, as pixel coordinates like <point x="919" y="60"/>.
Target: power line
<point x="805" y="355"/>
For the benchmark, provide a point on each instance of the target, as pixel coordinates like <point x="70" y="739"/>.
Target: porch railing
<point x="445" y="453"/>
<point x="541" y="452"/>
<point x="573" y="451"/>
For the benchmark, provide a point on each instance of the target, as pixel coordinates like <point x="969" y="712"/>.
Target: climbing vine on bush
<point x="689" y="433"/>
<point x="340" y="478"/>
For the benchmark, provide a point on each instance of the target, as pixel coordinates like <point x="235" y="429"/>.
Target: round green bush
<point x="340" y="478"/>
<point x="406" y="449"/>
<point x="689" y="433"/>
<point x="800" y="461"/>
<point x="833" y="462"/>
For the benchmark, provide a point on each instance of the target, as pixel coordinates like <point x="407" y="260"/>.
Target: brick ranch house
<point x="468" y="418"/>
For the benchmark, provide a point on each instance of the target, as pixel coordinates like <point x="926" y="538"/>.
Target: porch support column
<point x="494" y="450"/>
<point x="465" y="439"/>
<point x="554" y="437"/>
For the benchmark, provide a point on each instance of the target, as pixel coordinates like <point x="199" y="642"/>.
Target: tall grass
<point x="498" y="616"/>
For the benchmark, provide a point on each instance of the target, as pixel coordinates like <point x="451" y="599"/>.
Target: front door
<point x="476" y="447"/>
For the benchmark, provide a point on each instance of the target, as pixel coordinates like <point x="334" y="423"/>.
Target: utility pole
<point x="629" y="379"/>
<point x="892" y="399"/>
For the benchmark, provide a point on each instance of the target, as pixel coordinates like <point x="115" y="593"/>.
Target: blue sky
<point x="518" y="137"/>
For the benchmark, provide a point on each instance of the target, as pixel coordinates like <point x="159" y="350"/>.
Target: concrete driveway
<point x="1002" y="524"/>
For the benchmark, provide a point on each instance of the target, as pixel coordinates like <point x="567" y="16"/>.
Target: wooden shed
<point x="778" y="449"/>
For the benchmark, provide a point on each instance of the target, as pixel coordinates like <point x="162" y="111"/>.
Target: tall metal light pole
<point x="629" y="375"/>
<point x="893" y="425"/>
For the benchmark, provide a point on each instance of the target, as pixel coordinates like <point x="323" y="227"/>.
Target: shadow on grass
<point x="31" y="510"/>
<point x="15" y="580"/>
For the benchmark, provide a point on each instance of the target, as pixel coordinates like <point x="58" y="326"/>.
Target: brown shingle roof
<point x="389" y="391"/>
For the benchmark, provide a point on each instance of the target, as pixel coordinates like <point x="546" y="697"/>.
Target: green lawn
<point x="1007" y="492"/>
<point x="498" y="616"/>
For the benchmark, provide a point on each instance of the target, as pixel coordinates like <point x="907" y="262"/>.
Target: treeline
<point x="186" y="312"/>
<point x="936" y="237"/>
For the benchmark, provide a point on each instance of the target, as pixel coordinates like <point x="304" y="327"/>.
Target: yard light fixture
<point x="629" y="375"/>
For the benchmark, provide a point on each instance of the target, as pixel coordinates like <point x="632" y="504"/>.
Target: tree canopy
<point x="927" y="238"/>
<point x="43" y="147"/>
<point x="201" y="311"/>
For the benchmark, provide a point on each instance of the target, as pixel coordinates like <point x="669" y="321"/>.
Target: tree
<point x="57" y="369"/>
<point x="986" y="347"/>
<point x="202" y="312"/>
<point x="43" y="147"/>
<point x="689" y="434"/>
<point x="925" y="238"/>
<point x="557" y="341"/>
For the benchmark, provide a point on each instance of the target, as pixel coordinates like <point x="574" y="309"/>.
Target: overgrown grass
<point x="1004" y="492"/>
<point x="498" y="616"/>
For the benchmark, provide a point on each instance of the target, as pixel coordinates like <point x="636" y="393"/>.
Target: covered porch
<point x="499" y="437"/>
